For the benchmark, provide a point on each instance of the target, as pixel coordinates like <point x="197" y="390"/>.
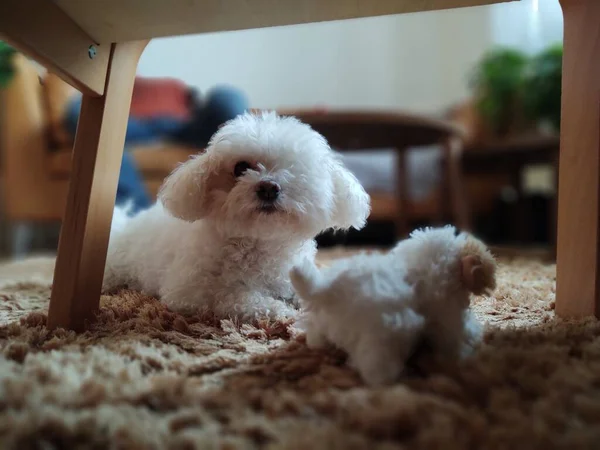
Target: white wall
<point x="415" y="61"/>
<point x="528" y="24"/>
<point x="420" y="62"/>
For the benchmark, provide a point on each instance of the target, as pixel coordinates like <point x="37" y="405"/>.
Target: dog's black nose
<point x="268" y="191"/>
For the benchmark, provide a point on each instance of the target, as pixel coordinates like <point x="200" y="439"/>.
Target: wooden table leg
<point x="96" y="161"/>
<point x="578" y="246"/>
<point x="455" y="193"/>
<point x="521" y="223"/>
<point x="402" y="194"/>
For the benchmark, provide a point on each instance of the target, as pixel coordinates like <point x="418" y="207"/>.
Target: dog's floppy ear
<point x="352" y="205"/>
<point x="184" y="193"/>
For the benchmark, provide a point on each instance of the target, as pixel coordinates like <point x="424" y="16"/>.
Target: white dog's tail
<point x="306" y="279"/>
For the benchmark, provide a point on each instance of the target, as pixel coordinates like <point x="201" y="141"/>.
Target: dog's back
<point x="139" y="248"/>
<point x="121" y="216"/>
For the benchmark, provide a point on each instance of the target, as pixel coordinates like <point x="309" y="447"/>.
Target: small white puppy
<point x="379" y="307"/>
<point x="231" y="222"/>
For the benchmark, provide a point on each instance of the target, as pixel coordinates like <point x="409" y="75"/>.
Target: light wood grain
<point x="86" y="226"/>
<point x="123" y="20"/>
<point x="44" y="32"/>
<point x="578" y="246"/>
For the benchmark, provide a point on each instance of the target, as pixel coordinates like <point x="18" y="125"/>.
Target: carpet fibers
<point x="145" y="378"/>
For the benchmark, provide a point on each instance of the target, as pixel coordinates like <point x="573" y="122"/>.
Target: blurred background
<point x="444" y="117"/>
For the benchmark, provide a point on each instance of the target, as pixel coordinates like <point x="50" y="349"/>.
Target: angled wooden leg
<point x="97" y="158"/>
<point x="578" y="246"/>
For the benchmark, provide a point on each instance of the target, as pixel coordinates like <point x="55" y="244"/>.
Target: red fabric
<point x="154" y="97"/>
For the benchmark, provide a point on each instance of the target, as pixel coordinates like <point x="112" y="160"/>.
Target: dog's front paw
<point x="280" y="310"/>
<point x="257" y="307"/>
<point x="112" y="285"/>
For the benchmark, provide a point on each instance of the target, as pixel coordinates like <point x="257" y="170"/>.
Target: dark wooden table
<point x="348" y="130"/>
<point x="511" y="156"/>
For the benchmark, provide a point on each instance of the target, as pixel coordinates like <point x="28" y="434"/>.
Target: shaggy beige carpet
<point x="145" y="378"/>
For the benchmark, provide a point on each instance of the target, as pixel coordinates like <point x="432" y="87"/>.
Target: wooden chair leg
<point x="85" y="228"/>
<point x="578" y="246"/>
<point x="454" y="186"/>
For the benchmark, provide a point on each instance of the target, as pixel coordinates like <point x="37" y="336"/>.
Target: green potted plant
<point x="497" y="82"/>
<point x="542" y="87"/>
<point x="6" y="67"/>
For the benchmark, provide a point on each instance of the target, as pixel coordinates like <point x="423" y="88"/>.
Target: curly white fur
<point x="377" y="307"/>
<point x="211" y="245"/>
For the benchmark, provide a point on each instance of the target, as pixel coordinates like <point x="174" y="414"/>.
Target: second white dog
<point x="378" y="307"/>
<point x="231" y="222"/>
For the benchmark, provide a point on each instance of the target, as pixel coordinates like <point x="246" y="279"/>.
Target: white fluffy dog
<point x="231" y="222"/>
<point x="379" y="307"/>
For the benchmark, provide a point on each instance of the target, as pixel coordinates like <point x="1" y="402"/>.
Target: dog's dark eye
<point x="240" y="168"/>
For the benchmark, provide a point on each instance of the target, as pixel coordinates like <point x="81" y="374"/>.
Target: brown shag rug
<point x="145" y="378"/>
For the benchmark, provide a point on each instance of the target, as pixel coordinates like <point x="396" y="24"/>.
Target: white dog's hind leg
<point x="473" y="334"/>
<point x="117" y="265"/>
<point x="117" y="272"/>
<point x="381" y="358"/>
<point x="378" y="362"/>
<point x="111" y="281"/>
<point x="314" y="338"/>
<point x="447" y="338"/>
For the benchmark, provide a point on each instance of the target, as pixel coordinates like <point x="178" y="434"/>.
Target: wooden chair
<point x="37" y="152"/>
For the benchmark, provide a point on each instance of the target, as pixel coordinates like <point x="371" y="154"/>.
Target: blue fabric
<point x="139" y="131"/>
<point x="220" y="105"/>
<point x="131" y="188"/>
<point x="148" y="131"/>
